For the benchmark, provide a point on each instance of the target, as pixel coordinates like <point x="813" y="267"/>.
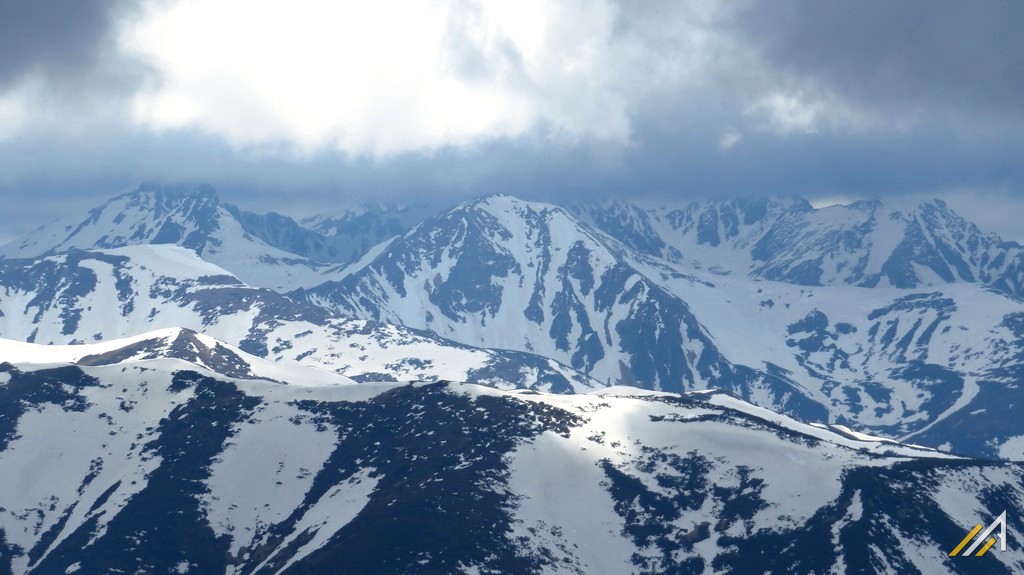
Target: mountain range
<point x="252" y="476"/>
<point x="667" y="368"/>
<point x="926" y="361"/>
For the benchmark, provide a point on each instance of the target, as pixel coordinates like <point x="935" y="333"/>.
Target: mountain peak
<point x="497" y="199"/>
<point x="169" y="197"/>
<point x="184" y="344"/>
<point x="901" y="242"/>
<point x="260" y="250"/>
<point x="174" y="343"/>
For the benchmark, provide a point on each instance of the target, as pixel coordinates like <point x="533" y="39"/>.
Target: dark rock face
<point x="168" y="507"/>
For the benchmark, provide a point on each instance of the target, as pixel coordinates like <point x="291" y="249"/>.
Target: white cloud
<point x="729" y="139"/>
<point x="811" y="109"/>
<point x="384" y="77"/>
<point x="293" y="78"/>
<point x="791" y="113"/>
<point x="13" y="114"/>
<point x="30" y="106"/>
<point x="829" y="201"/>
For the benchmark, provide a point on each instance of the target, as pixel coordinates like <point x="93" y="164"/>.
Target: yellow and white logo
<point x="986" y="536"/>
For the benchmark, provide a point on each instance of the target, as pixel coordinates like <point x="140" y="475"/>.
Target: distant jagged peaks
<point x="151" y="213"/>
<point x="264" y="249"/>
<point x="868" y="243"/>
<point x="170" y="197"/>
<point x="284" y="233"/>
<point x="575" y="283"/>
<point x="506" y="273"/>
<point x="356" y="230"/>
<point x="189" y="216"/>
<point x="393" y="215"/>
<point x="767" y="298"/>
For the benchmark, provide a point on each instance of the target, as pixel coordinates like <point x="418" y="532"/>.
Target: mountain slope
<point x="667" y="298"/>
<point x="500" y="272"/>
<point x="868" y="243"/>
<point x="893" y="362"/>
<point x="192" y="218"/>
<point x="173" y="343"/>
<point x="286" y="234"/>
<point x="354" y="231"/>
<point x="109" y="294"/>
<point x="503" y="273"/>
<point x="164" y="469"/>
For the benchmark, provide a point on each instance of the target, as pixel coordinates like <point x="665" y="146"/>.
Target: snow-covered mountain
<point x="501" y="272"/>
<point x="923" y="365"/>
<point x="93" y="296"/>
<point x="714" y="294"/>
<point x="173" y="343"/>
<point x="149" y="395"/>
<point x="192" y="217"/>
<point x="356" y="230"/>
<point x="162" y="466"/>
<point x="284" y="233"/>
<point x="872" y="243"/>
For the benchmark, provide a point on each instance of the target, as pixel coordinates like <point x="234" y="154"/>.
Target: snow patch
<point x="1012" y="448"/>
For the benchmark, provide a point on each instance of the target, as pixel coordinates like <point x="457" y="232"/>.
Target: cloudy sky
<point x="308" y="104"/>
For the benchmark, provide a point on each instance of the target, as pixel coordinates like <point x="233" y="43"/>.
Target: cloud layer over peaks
<point x="541" y="98"/>
<point x="385" y="77"/>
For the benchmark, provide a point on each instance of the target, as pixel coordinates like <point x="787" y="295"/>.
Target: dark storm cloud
<point x="669" y="161"/>
<point x="61" y="39"/>
<point x="955" y="69"/>
<point x="963" y="58"/>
